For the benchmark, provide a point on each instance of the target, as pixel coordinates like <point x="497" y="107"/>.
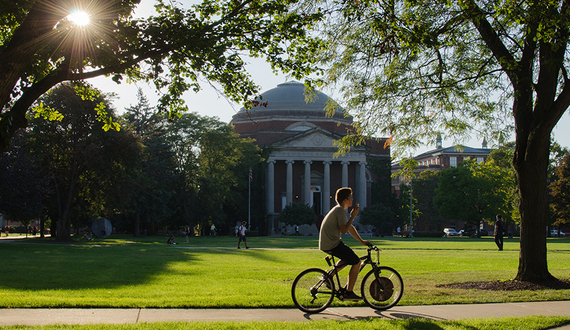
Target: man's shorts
<point x="344" y="253"/>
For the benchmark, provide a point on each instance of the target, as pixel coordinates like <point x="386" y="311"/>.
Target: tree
<point x="407" y="211"/>
<point x="154" y="176"/>
<point x="212" y="164"/>
<point x="41" y="47"/>
<point x="380" y="216"/>
<point x="298" y="214"/>
<point x="502" y="157"/>
<point x="415" y="69"/>
<point x="22" y="186"/>
<point x="221" y="153"/>
<point x="472" y="192"/>
<point x="87" y="166"/>
<point x="424" y="191"/>
<point x="560" y="193"/>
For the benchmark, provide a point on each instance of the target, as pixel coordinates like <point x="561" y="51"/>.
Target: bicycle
<point x="314" y="289"/>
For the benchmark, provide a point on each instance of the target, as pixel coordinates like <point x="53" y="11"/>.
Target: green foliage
<point x="407" y="202"/>
<point x="89" y="169"/>
<point x="46" y="113"/>
<point x="23" y="187"/>
<point x="154" y="178"/>
<point x="424" y="187"/>
<point x="429" y="234"/>
<point x="298" y="214"/>
<point x="503" y="158"/>
<point x="381" y="187"/>
<point x="380" y="216"/>
<point x="174" y="50"/>
<point x="560" y="193"/>
<point x="473" y="192"/>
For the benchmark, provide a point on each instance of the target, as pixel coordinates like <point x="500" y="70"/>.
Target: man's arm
<point x="345" y="228"/>
<point x="352" y="230"/>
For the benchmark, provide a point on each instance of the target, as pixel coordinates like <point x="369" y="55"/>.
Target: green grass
<point x="531" y="322"/>
<point x="211" y="272"/>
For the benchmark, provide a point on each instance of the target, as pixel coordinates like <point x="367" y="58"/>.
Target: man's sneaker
<point x="351" y="296"/>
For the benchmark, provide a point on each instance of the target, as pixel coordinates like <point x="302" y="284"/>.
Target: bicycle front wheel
<point x="312" y="290"/>
<point x="382" y="290"/>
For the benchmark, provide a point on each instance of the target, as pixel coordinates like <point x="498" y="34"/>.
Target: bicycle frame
<point x="366" y="260"/>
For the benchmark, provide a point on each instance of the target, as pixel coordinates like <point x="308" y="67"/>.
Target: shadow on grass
<point x="110" y="263"/>
<point x="71" y="266"/>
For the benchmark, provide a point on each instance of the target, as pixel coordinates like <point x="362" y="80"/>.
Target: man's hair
<point x="499" y="217"/>
<point x="342" y="194"/>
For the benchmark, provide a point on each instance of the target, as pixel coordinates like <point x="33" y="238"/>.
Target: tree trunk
<point x="137" y="225"/>
<point x="64" y="221"/>
<point x="531" y="174"/>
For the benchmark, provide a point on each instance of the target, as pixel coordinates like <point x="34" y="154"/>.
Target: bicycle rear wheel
<point x="383" y="290"/>
<point x="312" y="290"/>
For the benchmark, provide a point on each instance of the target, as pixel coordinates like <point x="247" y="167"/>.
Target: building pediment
<point x="316" y="138"/>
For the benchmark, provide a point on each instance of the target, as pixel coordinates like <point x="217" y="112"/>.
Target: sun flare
<point x="79" y="17"/>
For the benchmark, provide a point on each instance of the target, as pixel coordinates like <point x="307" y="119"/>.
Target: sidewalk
<point x="435" y="312"/>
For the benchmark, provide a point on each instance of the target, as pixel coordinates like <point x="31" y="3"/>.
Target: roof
<point x="288" y="100"/>
<point x="457" y="149"/>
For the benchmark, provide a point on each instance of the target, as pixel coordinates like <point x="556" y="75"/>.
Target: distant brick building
<point x="302" y="167"/>
<point x="440" y="158"/>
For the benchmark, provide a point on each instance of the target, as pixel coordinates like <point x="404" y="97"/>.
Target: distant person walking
<point x="187" y="233"/>
<point x="241" y="232"/>
<point x="499" y="230"/>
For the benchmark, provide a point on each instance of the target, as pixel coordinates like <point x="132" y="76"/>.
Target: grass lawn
<point x="123" y="271"/>
<point x="531" y="322"/>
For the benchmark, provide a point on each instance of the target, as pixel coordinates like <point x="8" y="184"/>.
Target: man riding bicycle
<point x="334" y="224"/>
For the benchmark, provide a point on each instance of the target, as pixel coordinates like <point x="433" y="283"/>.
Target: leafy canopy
<point x="175" y="50"/>
<point x="473" y="192"/>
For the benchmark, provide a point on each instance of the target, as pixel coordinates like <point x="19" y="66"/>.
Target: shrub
<point x="428" y="234"/>
<point x="298" y="214"/>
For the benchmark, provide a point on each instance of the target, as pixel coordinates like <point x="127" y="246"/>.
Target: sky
<point x="208" y="102"/>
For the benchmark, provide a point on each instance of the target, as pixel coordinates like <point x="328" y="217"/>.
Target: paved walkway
<point x="436" y="312"/>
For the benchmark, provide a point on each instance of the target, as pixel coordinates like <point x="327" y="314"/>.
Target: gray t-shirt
<point x="329" y="236"/>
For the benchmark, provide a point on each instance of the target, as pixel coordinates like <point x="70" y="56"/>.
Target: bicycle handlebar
<point x="372" y="247"/>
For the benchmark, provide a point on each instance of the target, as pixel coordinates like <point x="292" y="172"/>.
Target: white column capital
<point x="271" y="161"/>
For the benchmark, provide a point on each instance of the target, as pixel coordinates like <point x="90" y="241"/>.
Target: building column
<point x="307" y="188"/>
<point x="362" y="185"/>
<point x="327" y="188"/>
<point x="289" y="181"/>
<point x="345" y="173"/>
<point x="271" y="186"/>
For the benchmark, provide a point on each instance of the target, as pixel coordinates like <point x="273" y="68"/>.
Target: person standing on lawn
<point x="334" y="225"/>
<point x="241" y="233"/>
<point x="499" y="230"/>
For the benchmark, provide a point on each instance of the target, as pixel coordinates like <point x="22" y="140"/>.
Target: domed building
<point x="302" y="166"/>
